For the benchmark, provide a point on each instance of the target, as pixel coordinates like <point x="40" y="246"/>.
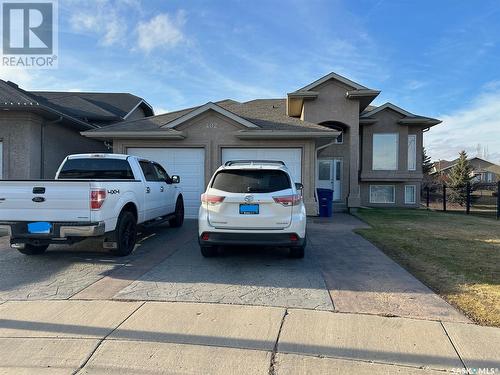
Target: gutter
<point x="279" y="134"/>
<point x="173" y="134"/>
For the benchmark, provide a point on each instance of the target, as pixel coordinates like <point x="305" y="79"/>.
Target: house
<point x="39" y="128"/>
<point x="326" y="132"/>
<point x="482" y="170"/>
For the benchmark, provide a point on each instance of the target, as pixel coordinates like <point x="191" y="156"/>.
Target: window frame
<point x="393" y="194"/>
<point x="414" y="154"/>
<point x="396" y="153"/>
<point x="414" y="194"/>
<point x="152" y="166"/>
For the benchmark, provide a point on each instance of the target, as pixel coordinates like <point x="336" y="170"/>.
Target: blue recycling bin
<point x="325" y="198"/>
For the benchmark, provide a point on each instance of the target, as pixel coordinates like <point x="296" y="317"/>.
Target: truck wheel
<point x="178" y="220"/>
<point x="33" y="250"/>
<point x="208" y="251"/>
<point x="126" y="234"/>
<point x="297" y="252"/>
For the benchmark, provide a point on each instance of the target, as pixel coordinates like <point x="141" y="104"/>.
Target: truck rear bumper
<point x="60" y="231"/>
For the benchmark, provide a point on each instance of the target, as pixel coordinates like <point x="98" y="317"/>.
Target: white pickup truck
<point x="92" y="195"/>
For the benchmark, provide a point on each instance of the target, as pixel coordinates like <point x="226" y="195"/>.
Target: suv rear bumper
<point x="262" y="239"/>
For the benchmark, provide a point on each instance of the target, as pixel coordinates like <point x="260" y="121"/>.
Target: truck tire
<point x="33" y="250"/>
<point x="126" y="234"/>
<point x="178" y="219"/>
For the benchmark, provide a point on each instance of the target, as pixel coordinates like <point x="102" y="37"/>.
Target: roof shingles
<point x="85" y="107"/>
<point x="267" y="114"/>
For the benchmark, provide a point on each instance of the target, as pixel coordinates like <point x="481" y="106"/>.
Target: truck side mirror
<point x="175" y="179"/>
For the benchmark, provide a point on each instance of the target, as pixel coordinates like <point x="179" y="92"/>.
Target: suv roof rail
<point x="234" y="162"/>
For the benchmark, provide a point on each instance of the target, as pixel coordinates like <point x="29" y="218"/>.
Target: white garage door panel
<point x="188" y="163"/>
<point x="291" y="156"/>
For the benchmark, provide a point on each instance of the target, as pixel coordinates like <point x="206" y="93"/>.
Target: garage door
<point x="291" y="156"/>
<point x="188" y="163"/>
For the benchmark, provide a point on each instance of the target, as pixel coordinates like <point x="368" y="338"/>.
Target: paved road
<point x="112" y="337"/>
<point x="341" y="272"/>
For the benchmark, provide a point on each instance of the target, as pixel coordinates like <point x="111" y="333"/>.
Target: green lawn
<point x="456" y="255"/>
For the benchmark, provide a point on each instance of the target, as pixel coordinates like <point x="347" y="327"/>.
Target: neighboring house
<point x="327" y="133"/>
<point x="38" y="128"/>
<point x="482" y="170"/>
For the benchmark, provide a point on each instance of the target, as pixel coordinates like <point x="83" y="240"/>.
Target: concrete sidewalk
<point x="77" y="336"/>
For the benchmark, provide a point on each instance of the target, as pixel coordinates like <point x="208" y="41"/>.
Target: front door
<point x="329" y="176"/>
<point x="153" y="194"/>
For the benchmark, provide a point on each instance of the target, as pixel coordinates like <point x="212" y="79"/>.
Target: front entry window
<point x="324" y="172"/>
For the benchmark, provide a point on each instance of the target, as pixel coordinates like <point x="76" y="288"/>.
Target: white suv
<point x="252" y="202"/>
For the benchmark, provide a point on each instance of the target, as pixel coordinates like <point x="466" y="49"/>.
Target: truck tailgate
<point x="45" y="200"/>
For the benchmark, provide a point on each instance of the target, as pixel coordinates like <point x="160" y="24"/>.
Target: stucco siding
<point x="388" y="123"/>
<point x="332" y="105"/>
<point x="60" y="141"/>
<point x="20" y="134"/>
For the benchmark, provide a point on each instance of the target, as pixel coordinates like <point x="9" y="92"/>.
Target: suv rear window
<point x="98" y="169"/>
<point x="251" y="181"/>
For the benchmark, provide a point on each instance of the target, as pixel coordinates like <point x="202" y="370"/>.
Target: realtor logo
<point x="29" y="37"/>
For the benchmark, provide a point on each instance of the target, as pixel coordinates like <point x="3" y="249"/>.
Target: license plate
<point x="40" y="227"/>
<point x="249" y="209"/>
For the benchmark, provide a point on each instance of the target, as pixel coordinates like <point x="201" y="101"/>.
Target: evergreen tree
<point x="426" y="162"/>
<point x="460" y="175"/>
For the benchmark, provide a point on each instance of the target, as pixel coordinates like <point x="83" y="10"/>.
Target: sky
<point x="436" y="58"/>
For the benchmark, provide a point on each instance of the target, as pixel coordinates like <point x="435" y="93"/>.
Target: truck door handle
<point x="162" y="189"/>
<point x="148" y="190"/>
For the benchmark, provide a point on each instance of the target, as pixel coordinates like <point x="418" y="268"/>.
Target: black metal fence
<point x="472" y="198"/>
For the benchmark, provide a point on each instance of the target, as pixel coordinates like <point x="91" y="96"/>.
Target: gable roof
<point x="443" y="165"/>
<point x="204" y="108"/>
<point x="385" y="106"/>
<point x="335" y="76"/>
<point x="256" y="115"/>
<point x="96" y="104"/>
<point x="409" y="118"/>
<point x="355" y="91"/>
<point x="88" y="109"/>
<point x="494" y="169"/>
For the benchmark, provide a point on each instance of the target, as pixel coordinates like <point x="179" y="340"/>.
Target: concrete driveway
<point x="166" y="309"/>
<point x="340" y="272"/>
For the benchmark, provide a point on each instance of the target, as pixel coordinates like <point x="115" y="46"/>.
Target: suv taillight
<point x="213" y="199"/>
<point x="288" y="200"/>
<point x="97" y="198"/>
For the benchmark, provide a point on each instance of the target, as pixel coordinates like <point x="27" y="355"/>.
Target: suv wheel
<point x="208" y="251"/>
<point x="33" y="250"/>
<point x="178" y="220"/>
<point x="126" y="234"/>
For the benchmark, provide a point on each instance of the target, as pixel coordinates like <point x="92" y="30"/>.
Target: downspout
<point x="42" y="148"/>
